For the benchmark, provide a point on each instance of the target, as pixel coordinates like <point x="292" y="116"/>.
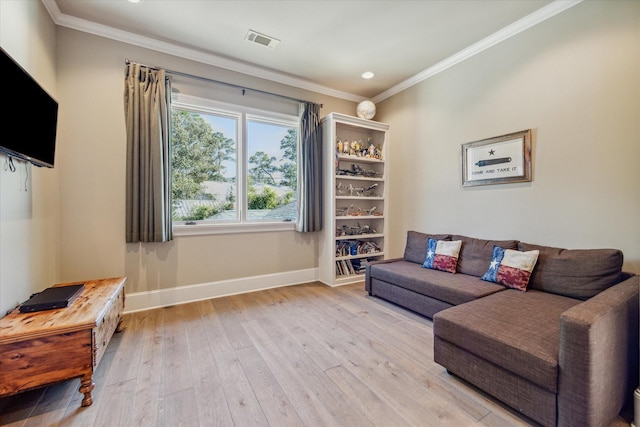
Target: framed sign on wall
<point x="498" y="160"/>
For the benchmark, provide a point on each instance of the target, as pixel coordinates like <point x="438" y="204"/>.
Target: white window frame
<point x="243" y="114"/>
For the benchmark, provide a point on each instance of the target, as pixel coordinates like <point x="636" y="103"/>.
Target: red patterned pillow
<point x="442" y="255"/>
<point x="511" y="268"/>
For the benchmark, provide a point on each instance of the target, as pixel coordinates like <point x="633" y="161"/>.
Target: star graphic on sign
<point x="491" y="152"/>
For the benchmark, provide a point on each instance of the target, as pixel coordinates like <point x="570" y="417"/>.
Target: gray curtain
<point x="310" y="170"/>
<point x="147" y="106"/>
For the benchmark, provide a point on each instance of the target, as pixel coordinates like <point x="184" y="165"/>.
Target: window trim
<point x="243" y="115"/>
<point x="199" y="229"/>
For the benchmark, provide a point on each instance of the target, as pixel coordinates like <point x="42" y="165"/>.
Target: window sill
<point x="258" y="227"/>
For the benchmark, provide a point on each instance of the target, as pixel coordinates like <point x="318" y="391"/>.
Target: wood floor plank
<point x="357" y="289"/>
<point x="210" y="398"/>
<point x="411" y="338"/>
<point x="466" y="399"/>
<point x="362" y="397"/>
<point x="148" y="392"/>
<point x="16" y="409"/>
<point x="176" y="375"/>
<point x="479" y="404"/>
<point x="52" y="406"/>
<point x="330" y="395"/>
<point x="116" y="406"/>
<point x="286" y="317"/>
<point x="355" y="296"/>
<point x="128" y="351"/>
<point x="241" y="400"/>
<point x="275" y="404"/>
<point x="304" y="397"/>
<point x="231" y="315"/>
<point x="179" y="410"/>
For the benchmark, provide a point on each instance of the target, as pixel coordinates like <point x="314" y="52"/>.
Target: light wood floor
<point x="305" y="355"/>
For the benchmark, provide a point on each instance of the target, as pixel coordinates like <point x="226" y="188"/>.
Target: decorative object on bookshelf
<point x="357" y="191"/>
<point x="358" y="149"/>
<point x="366" y="110"/>
<point x="358" y="230"/>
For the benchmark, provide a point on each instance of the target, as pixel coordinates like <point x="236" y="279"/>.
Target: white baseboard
<point x="139" y="301"/>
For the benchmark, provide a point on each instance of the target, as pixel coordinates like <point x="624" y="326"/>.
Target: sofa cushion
<point x="451" y="288"/>
<point x="416" y="247"/>
<point x="575" y="273"/>
<point x="442" y="255"/>
<point x="519" y="331"/>
<point x="475" y="254"/>
<point x="511" y="268"/>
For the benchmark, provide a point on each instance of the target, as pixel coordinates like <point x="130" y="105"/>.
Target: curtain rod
<point x="243" y="88"/>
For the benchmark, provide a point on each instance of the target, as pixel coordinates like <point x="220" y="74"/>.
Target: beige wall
<point x="29" y="214"/>
<point x="575" y="81"/>
<point x="92" y="181"/>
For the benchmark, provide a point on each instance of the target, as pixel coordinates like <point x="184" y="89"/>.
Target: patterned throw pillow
<point x="511" y="268"/>
<point x="442" y="255"/>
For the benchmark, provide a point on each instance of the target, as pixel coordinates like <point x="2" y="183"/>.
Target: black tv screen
<point x="32" y="115"/>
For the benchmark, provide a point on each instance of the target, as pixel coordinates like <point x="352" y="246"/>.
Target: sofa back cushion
<point x="575" y="273"/>
<point x="416" y="248"/>
<point x="475" y="254"/>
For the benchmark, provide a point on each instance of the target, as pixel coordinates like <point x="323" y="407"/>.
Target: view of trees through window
<point x="206" y="167"/>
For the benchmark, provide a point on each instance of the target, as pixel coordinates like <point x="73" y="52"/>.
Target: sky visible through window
<point x="264" y="137"/>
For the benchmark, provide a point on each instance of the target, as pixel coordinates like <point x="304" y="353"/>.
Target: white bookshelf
<point x="355" y="197"/>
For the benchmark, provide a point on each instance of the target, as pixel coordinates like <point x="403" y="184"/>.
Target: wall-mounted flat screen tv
<point x="30" y="117"/>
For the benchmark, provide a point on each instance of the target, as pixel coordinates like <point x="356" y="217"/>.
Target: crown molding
<point x="206" y="58"/>
<point x="507" y="32"/>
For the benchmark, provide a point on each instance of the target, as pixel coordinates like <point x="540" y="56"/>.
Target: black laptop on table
<point x="51" y="298"/>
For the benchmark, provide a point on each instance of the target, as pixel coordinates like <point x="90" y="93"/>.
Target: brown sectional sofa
<point x="564" y="352"/>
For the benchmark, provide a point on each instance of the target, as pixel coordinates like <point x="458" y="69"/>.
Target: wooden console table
<point x="46" y="347"/>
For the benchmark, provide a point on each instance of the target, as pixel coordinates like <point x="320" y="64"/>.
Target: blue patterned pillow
<point x="511" y="268"/>
<point x="442" y="255"/>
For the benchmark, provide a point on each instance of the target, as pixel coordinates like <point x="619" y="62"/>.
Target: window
<point x="233" y="168"/>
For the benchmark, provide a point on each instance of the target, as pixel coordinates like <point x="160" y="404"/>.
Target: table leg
<point x="119" y="326"/>
<point x="86" y="386"/>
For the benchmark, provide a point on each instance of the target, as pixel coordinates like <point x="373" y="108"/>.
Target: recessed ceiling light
<point x="134" y="1"/>
<point x="367" y="75"/>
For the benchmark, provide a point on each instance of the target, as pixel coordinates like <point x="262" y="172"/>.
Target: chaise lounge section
<point x="564" y="352"/>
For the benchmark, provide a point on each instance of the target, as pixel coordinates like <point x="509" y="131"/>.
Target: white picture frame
<point x="498" y="160"/>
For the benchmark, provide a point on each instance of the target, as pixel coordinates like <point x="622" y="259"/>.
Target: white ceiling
<point x="325" y="45"/>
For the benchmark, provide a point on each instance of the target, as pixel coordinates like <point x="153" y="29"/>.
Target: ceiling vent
<point x="262" y="39"/>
